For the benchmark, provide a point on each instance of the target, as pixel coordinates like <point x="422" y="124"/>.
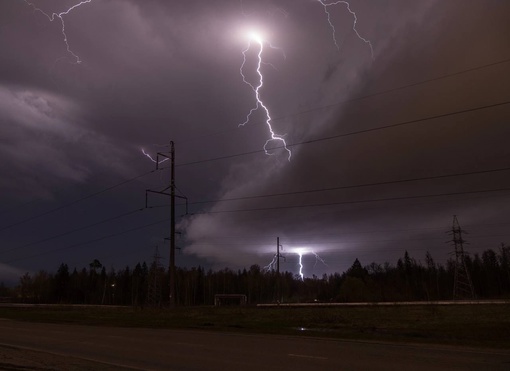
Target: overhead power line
<point x="260" y="151"/>
<point x="403" y="123"/>
<point x="357" y="132"/>
<point x="340" y="241"/>
<point x="72" y="231"/>
<point x="442" y="176"/>
<point x="260" y="209"/>
<point x="367" y="96"/>
<point x="355" y="201"/>
<point x="86" y="197"/>
<point x="90" y="241"/>
<point x="389" y="126"/>
<point x="302" y="143"/>
<point x="261" y="196"/>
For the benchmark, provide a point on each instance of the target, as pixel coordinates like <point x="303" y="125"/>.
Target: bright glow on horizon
<point x="300" y="252"/>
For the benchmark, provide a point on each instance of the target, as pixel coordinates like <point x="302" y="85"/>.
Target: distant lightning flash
<point x="51" y="17"/>
<point x="271" y="265"/>
<point x="256" y="90"/>
<point x="303" y="251"/>
<point x="300" y="254"/>
<point x="318" y="259"/>
<point x="328" y="14"/>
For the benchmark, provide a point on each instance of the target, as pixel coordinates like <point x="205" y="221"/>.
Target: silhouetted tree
<point x="95" y="265"/>
<point x="42" y="287"/>
<point x="26" y="287"/>
<point x="5" y="292"/>
<point x="62" y="279"/>
<point x="357" y="271"/>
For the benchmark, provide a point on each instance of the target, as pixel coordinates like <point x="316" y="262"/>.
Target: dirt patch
<point x="16" y="359"/>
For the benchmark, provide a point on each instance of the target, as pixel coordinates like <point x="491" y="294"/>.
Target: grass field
<point x="468" y="325"/>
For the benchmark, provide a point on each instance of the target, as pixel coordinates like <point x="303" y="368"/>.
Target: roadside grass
<point x="466" y="325"/>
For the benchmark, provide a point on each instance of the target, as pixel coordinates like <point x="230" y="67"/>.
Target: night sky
<point x="386" y="148"/>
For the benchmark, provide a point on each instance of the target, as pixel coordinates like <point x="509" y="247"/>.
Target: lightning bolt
<point x="51" y="17"/>
<point x="271" y="265"/>
<point x="318" y="259"/>
<point x="256" y="90"/>
<point x="152" y="158"/>
<point x="300" y="254"/>
<point x="326" y="5"/>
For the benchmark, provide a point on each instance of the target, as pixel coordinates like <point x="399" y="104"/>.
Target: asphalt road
<point x="163" y="349"/>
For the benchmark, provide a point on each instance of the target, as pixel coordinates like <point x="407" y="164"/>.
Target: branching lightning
<point x="256" y="90"/>
<point x="51" y="17"/>
<point x="326" y="5"/>
<point x="318" y="259"/>
<point x="302" y="251"/>
<point x="271" y="266"/>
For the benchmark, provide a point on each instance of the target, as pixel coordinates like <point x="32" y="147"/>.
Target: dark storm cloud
<point x="425" y="46"/>
<point x="40" y="134"/>
<point x="154" y="72"/>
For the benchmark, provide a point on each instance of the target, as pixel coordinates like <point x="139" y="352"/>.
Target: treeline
<point x="408" y="280"/>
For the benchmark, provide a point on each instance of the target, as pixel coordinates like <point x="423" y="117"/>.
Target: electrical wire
<point x="90" y="241"/>
<point x="279" y="147"/>
<point x="290" y="145"/>
<point x="260" y="151"/>
<point x="442" y="176"/>
<point x="86" y="197"/>
<point x="371" y="95"/>
<point x="355" y="201"/>
<point x="72" y="231"/>
<point x="343" y="135"/>
<point x="251" y="210"/>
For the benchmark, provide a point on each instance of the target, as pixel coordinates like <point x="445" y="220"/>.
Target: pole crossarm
<point x="163" y="155"/>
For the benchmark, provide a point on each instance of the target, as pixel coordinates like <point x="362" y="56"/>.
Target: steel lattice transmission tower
<point x="156" y="273"/>
<point x="462" y="285"/>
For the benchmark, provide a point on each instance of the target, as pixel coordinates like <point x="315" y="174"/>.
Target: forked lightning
<point x="326" y="5"/>
<point x="51" y="17"/>
<point x="256" y="90"/>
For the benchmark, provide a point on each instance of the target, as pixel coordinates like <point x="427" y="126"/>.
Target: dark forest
<point x="146" y="285"/>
